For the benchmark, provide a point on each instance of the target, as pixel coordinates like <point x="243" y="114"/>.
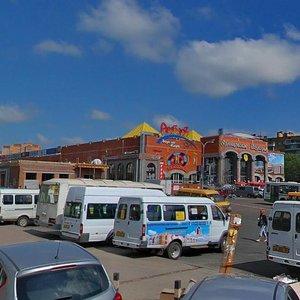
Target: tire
<point x="221" y="247"/>
<point x="249" y="196"/>
<point x="22" y="221"/>
<point x="109" y="239"/>
<point x="174" y="250"/>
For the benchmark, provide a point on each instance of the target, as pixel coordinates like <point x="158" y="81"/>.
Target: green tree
<point x="292" y="167"/>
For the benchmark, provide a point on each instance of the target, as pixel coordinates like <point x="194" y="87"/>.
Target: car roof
<point x="31" y="255"/>
<point x="237" y="287"/>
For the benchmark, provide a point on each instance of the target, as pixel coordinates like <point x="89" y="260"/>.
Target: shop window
<point x="129" y="171"/>
<point x="47" y="176"/>
<point x="30" y="176"/>
<point x="150" y="171"/>
<point x="120" y="172"/>
<point x="177" y="178"/>
<point x="63" y="175"/>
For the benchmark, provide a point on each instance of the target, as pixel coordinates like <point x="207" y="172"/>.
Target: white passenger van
<point x="284" y="233"/>
<point x="168" y="224"/>
<point x="53" y="194"/>
<point x="18" y="205"/>
<point x="90" y="211"/>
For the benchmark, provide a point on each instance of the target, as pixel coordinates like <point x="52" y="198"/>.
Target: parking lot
<point x="144" y="276"/>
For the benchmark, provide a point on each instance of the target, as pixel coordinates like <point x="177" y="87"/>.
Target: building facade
<point x="171" y="155"/>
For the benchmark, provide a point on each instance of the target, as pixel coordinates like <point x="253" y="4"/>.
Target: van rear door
<point x="128" y="222"/>
<point x="280" y="230"/>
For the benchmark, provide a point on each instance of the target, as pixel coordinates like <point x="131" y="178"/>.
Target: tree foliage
<point x="292" y="167"/>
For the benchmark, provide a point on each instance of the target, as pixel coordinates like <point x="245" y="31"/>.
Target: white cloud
<point x="292" y="32"/>
<point x="100" y="115"/>
<point x="205" y="11"/>
<point x="147" y="34"/>
<point x="72" y="140"/>
<point x="42" y="139"/>
<point x="50" y="46"/>
<point x="13" y="114"/>
<point x="219" y="69"/>
<point x="168" y="119"/>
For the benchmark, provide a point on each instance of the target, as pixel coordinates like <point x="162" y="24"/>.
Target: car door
<point x="280" y="232"/>
<point x="218" y="223"/>
<point x="135" y="221"/>
<point x="296" y="249"/>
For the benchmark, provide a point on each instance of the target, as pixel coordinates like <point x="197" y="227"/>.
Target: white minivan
<point x="18" y="205"/>
<point x="284" y="233"/>
<point x="168" y="224"/>
<point x="90" y="211"/>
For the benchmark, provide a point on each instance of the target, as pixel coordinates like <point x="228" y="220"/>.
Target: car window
<point x="79" y="282"/>
<point x="216" y="213"/>
<point x="281" y="221"/>
<point x="174" y="213"/>
<point x="72" y="210"/>
<point x="197" y="212"/>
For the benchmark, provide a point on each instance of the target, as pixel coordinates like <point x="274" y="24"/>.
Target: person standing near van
<point x="262" y="223"/>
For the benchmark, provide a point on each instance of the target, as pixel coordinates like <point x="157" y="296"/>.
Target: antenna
<point x="57" y="252"/>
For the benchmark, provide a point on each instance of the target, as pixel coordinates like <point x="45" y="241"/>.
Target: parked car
<point x="52" y="270"/>
<point x="236" y="287"/>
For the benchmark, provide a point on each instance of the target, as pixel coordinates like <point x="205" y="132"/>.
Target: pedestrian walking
<point x="262" y="223"/>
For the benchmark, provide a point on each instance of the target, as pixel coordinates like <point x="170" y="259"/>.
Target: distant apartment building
<point x="287" y="142"/>
<point x="19" y="148"/>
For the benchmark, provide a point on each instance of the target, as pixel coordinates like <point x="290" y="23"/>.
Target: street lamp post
<point x="203" y="151"/>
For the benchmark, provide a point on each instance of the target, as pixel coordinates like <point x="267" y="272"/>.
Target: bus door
<point x="274" y="192"/>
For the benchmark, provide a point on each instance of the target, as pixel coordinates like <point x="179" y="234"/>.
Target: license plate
<point x="66" y="226"/>
<point x="120" y="233"/>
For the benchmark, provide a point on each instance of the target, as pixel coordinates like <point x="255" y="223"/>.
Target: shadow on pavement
<point x="50" y="235"/>
<point x="262" y="268"/>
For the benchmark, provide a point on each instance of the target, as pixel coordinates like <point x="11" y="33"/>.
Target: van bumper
<point x="83" y="238"/>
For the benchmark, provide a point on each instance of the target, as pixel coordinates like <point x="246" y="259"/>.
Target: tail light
<point x="118" y="296"/>
<point x="143" y="230"/>
<point x="81" y="228"/>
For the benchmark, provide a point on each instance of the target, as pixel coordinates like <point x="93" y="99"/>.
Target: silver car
<point x="48" y="270"/>
<point x="222" y="286"/>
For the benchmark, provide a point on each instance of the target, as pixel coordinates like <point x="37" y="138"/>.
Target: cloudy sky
<point x="75" y="71"/>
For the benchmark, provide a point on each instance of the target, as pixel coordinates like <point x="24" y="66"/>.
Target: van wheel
<point x="174" y="250"/>
<point x="109" y="239"/>
<point x="23" y="221"/>
<point x="249" y="196"/>
<point x="222" y="244"/>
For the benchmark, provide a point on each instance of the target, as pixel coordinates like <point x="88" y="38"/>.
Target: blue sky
<point x="75" y="71"/>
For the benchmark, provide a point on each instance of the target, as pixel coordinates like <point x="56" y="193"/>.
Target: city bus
<point x="275" y="191"/>
<point x="53" y="195"/>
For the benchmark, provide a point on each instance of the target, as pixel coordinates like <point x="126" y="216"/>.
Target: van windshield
<point x="73" y="210"/>
<point x="80" y="282"/>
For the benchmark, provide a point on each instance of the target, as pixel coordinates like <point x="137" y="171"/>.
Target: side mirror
<point x="270" y="218"/>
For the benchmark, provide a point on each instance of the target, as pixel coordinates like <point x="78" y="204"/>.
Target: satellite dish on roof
<point x="96" y="161"/>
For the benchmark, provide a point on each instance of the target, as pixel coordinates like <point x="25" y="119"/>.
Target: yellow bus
<point x="214" y="195"/>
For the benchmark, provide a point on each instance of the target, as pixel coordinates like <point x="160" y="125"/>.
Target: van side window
<point x="154" y="212"/>
<point x="281" y="221"/>
<point x="197" y="212"/>
<point x="23" y="199"/>
<point x="216" y="213"/>
<point x="36" y="199"/>
<point x="298" y="223"/>
<point x="101" y="211"/>
<point x="122" y="211"/>
<point x="8" y="199"/>
<point x="174" y="213"/>
<point x="135" y="212"/>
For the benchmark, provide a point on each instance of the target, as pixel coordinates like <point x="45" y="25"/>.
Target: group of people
<point x="262" y="223"/>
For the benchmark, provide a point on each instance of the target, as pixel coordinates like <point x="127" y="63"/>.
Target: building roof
<point x="193" y="136"/>
<point x="142" y="128"/>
